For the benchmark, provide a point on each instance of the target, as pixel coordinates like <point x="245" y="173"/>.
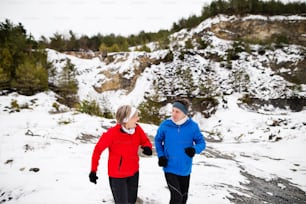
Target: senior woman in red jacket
<point x="123" y="141"/>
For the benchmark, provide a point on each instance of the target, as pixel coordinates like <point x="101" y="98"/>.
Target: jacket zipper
<point x="120" y="163"/>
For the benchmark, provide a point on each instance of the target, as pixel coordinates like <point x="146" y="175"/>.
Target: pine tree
<point x="6" y="61"/>
<point x="31" y="77"/>
<point x="23" y="66"/>
<point x="68" y="85"/>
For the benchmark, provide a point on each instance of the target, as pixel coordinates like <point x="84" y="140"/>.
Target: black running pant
<point x="178" y="186"/>
<point x="125" y="189"/>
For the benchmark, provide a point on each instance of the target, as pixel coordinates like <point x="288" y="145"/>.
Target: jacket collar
<point x="171" y="123"/>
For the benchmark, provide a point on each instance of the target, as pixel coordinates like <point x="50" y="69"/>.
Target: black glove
<point x="93" y="177"/>
<point x="147" y="151"/>
<point x="162" y="161"/>
<point x="190" y="151"/>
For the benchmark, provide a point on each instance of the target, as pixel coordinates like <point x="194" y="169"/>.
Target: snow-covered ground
<point x="44" y="159"/>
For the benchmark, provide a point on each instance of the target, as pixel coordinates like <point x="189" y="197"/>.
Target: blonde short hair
<point x="122" y="113"/>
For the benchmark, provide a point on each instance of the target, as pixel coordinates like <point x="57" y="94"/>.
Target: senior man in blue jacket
<point x="177" y="140"/>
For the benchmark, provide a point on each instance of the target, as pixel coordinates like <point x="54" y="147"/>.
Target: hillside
<point x="248" y="96"/>
<point x="206" y="65"/>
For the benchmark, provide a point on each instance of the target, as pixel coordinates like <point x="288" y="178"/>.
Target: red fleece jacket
<point x="123" y="159"/>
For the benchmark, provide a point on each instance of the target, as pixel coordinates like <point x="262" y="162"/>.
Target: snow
<point x="36" y="137"/>
<point x="64" y="161"/>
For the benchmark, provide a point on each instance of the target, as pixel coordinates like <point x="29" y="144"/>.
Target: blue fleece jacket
<point x="171" y="141"/>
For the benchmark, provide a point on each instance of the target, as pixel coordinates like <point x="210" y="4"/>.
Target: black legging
<point x="178" y="186"/>
<point x="125" y="189"/>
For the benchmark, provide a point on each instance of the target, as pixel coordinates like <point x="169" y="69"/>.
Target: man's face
<point x="177" y="114"/>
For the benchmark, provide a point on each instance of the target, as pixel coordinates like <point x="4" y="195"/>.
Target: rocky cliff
<point x="262" y="59"/>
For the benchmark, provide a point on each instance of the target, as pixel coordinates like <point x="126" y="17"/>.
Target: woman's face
<point x="132" y="122"/>
<point x="177" y="114"/>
